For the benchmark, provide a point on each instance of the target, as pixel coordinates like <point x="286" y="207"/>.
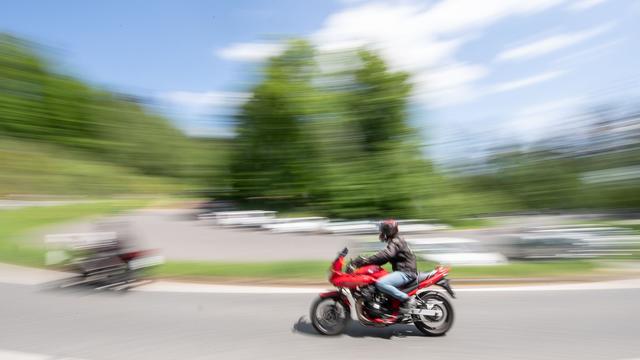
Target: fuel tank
<point x="365" y="275"/>
<point x="371" y="270"/>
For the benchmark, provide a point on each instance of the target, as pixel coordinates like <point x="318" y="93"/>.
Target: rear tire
<point x="435" y="325"/>
<point x="329" y="316"/>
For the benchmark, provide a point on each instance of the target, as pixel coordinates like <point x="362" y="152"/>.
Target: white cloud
<point x="448" y="84"/>
<point x="524" y="82"/>
<point x="584" y="4"/>
<point x="551" y="44"/>
<point x="453" y="84"/>
<point x="421" y="37"/>
<point x="252" y="52"/>
<point x="588" y="54"/>
<point x="453" y="75"/>
<point x="424" y="39"/>
<point x="550" y="106"/>
<point x="450" y="16"/>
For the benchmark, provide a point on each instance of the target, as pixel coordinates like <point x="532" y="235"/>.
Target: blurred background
<point x="248" y="142"/>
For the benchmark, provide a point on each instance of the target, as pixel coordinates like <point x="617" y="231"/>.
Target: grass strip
<point x="315" y="270"/>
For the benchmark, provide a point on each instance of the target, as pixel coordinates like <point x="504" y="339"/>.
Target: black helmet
<point x="388" y="229"/>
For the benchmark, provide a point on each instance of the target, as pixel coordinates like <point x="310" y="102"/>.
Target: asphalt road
<point x="144" y="325"/>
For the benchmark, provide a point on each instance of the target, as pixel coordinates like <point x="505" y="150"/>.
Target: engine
<point x="376" y="304"/>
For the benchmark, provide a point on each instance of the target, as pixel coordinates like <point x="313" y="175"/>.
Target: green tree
<point x="337" y="142"/>
<point x="22" y="81"/>
<point x="271" y="157"/>
<point x="537" y="179"/>
<point x="375" y="166"/>
<point x="40" y="104"/>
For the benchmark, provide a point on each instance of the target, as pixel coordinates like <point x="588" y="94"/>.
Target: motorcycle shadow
<point x="357" y="330"/>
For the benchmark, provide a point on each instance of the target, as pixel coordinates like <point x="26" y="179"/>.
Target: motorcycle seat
<point x="414" y="284"/>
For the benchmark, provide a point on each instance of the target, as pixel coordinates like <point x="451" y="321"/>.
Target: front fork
<point x="352" y="303"/>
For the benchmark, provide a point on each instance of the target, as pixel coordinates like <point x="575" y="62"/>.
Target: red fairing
<point x="351" y="280"/>
<point x="336" y="268"/>
<point x="333" y="294"/>
<point x="329" y="294"/>
<point x="365" y="275"/>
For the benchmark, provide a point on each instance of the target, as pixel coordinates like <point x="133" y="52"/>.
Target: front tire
<point x="439" y="324"/>
<point x="329" y="316"/>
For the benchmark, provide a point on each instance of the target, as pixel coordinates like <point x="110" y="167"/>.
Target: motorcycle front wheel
<point x="329" y="316"/>
<point x="439" y="324"/>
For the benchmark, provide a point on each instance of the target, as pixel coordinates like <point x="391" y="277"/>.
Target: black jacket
<point x="397" y="253"/>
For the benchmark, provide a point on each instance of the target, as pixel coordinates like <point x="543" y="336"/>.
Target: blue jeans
<point x="389" y="284"/>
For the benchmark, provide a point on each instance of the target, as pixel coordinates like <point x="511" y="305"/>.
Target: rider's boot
<point x="408" y="305"/>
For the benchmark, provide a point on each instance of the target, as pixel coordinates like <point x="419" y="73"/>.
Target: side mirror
<point x="344" y="252"/>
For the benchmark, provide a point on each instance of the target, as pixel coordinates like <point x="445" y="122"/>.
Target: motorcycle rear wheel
<point x="329" y="316"/>
<point x="435" y="325"/>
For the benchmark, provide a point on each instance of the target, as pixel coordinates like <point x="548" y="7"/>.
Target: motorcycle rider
<point x="403" y="263"/>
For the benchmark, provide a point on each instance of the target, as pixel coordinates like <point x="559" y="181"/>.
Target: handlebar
<point x="350" y="266"/>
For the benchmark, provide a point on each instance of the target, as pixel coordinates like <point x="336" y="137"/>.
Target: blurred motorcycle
<point x="103" y="260"/>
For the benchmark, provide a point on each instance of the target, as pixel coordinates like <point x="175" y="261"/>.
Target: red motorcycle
<point x="357" y="297"/>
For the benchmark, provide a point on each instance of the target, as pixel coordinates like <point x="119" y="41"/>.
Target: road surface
<point x="583" y="324"/>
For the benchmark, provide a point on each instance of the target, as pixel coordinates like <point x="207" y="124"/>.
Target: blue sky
<point x="491" y="70"/>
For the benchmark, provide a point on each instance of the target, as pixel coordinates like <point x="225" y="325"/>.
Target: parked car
<point x="574" y="241"/>
<point x="292" y="225"/>
<point x="351" y="227"/>
<point x="419" y="226"/>
<point x="455" y="251"/>
<point x="251" y="218"/>
<point x="206" y="209"/>
<point x="540" y="246"/>
<point x="365" y="227"/>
